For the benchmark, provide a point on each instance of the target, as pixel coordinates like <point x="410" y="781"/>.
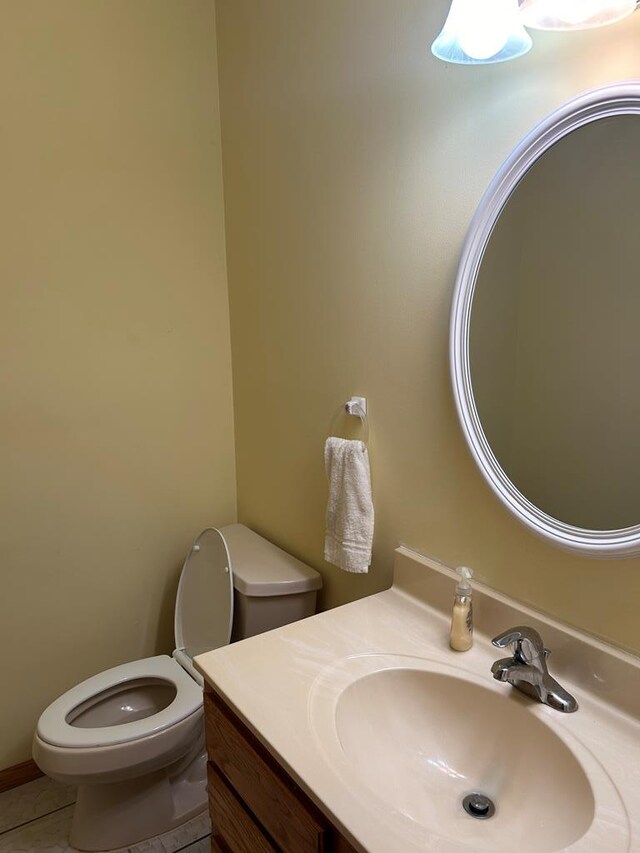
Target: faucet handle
<point x="527" y="644"/>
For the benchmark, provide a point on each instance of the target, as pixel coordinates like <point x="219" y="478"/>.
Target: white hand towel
<point x="349" y="535"/>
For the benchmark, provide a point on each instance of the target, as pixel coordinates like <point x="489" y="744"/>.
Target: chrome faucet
<point x="527" y="668"/>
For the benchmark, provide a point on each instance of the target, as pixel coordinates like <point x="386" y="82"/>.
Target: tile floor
<point x="35" y="818"/>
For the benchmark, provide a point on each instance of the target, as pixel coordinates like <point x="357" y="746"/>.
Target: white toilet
<point x="132" y="737"/>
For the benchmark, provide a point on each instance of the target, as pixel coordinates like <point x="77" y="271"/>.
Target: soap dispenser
<point x="461" y="637"/>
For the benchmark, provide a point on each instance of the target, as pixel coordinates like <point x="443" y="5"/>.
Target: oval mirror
<point x="545" y="327"/>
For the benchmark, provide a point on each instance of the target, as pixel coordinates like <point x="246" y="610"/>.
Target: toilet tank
<point x="271" y="588"/>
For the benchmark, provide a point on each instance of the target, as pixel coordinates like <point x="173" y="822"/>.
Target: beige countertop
<point x="285" y="684"/>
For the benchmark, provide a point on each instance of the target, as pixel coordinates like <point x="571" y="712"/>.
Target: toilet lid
<point x="204" y="602"/>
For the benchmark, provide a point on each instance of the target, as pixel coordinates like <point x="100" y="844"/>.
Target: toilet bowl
<point x="132" y="738"/>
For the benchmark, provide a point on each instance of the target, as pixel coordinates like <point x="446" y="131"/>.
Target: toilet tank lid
<point x="260" y="568"/>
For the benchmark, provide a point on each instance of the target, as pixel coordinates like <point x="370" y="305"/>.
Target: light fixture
<point x="481" y="31"/>
<point x="574" y="14"/>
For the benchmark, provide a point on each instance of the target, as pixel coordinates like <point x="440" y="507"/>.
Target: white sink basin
<point x="419" y="735"/>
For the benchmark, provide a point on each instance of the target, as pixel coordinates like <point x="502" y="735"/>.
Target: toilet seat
<point x="54" y="729"/>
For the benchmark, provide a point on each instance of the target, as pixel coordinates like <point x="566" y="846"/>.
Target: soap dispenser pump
<point x="461" y="637"/>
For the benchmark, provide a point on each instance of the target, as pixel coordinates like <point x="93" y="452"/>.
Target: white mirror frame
<point x="603" y="102"/>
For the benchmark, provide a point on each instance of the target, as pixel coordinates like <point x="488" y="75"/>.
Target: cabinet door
<point x="230" y="819"/>
<point x="287" y="815"/>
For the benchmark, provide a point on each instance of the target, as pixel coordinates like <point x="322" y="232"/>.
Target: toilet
<point x="132" y="738"/>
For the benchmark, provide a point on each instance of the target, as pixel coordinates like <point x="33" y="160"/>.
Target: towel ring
<point x="357" y="406"/>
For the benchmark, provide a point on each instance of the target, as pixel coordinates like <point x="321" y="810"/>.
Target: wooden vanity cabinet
<point x="255" y="806"/>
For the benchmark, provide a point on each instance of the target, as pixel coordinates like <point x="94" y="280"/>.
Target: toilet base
<point x="118" y="814"/>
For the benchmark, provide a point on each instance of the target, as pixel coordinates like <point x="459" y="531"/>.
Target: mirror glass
<point x="554" y="342"/>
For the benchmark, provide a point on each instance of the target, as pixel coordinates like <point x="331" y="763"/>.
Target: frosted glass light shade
<point x="481" y="31"/>
<point x="573" y="14"/>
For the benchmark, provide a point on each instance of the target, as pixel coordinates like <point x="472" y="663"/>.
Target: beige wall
<point x="116" y="412"/>
<point x="353" y="162"/>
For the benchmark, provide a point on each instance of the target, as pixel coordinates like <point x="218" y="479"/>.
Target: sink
<point x="388" y="730"/>
<point x="438" y="737"/>
<point x="417" y="736"/>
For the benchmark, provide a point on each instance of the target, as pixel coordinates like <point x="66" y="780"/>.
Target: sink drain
<point x="478" y="806"/>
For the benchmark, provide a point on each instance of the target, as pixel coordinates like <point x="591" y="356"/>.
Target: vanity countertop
<point x="276" y="682"/>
